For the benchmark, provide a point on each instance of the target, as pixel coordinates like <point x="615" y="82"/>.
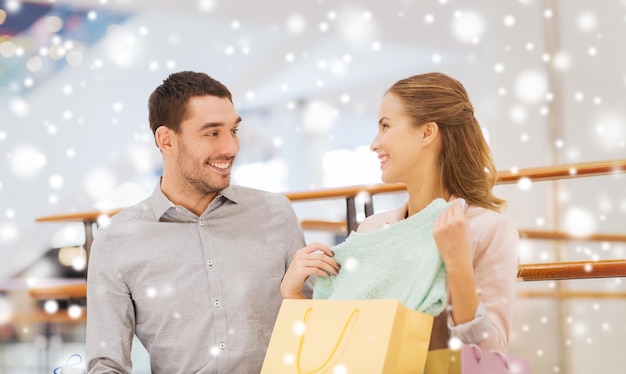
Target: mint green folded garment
<point x="399" y="262"/>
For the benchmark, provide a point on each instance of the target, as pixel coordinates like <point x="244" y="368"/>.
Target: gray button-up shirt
<point x="201" y="293"/>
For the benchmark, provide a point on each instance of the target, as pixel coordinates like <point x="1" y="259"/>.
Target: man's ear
<point x="164" y="138"/>
<point x="430" y="132"/>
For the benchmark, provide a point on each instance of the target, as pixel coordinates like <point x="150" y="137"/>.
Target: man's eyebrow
<point x="211" y="125"/>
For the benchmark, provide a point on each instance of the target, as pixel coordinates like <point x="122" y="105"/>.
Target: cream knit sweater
<point x="399" y="261"/>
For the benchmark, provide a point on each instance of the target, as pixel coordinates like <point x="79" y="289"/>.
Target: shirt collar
<point x="229" y="193"/>
<point x="160" y="203"/>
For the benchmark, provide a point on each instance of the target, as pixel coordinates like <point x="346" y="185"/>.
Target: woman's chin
<point x="386" y="179"/>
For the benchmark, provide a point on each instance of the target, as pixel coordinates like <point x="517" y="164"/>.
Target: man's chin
<point x="224" y="183"/>
<point x="213" y="186"/>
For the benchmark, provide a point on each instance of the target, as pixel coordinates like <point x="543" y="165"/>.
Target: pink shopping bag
<point x="470" y="359"/>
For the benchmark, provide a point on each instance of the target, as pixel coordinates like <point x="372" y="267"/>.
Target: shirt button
<point x="217" y="303"/>
<point x="222" y="345"/>
<point x="202" y="223"/>
<point x="178" y="209"/>
<point x="210" y="262"/>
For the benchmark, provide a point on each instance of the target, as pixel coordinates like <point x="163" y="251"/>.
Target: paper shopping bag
<point x="348" y="336"/>
<point x="470" y="359"/>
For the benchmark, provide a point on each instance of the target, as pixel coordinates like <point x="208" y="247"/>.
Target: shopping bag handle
<point x="478" y="355"/>
<point x="332" y="353"/>
<point x="68" y="363"/>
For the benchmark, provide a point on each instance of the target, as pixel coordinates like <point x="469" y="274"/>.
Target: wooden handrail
<point x="576" y="170"/>
<point x="554" y="294"/>
<point x="58" y="292"/>
<point x="571" y="270"/>
<point x="566" y="171"/>
<point x="91" y="216"/>
<point x="536" y="174"/>
<point x="559" y="235"/>
<point x="339" y="227"/>
<point x="67" y="291"/>
<point x="39" y="316"/>
<point x="526" y="272"/>
<point x="345" y="192"/>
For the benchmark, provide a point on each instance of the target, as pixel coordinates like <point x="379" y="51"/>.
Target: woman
<point x="429" y="139"/>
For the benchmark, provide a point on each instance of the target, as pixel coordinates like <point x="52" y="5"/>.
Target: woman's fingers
<point x="318" y="248"/>
<point x="314" y="259"/>
<point x="450" y="219"/>
<point x="327" y="264"/>
<point x="317" y="255"/>
<point x="310" y="264"/>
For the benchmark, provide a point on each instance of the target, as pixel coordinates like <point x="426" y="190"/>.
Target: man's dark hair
<point x="167" y="105"/>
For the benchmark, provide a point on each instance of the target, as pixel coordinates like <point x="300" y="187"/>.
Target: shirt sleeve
<point x="294" y="239"/>
<point x="495" y="274"/>
<point x="110" y="317"/>
<point x="474" y="331"/>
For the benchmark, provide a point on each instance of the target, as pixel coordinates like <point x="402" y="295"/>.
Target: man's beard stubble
<point x="206" y="185"/>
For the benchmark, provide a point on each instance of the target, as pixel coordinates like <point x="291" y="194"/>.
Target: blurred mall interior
<point x="547" y="79"/>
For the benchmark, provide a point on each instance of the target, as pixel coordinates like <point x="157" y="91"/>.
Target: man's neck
<point x="188" y="198"/>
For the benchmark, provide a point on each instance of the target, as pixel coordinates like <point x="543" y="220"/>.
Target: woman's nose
<point x="375" y="144"/>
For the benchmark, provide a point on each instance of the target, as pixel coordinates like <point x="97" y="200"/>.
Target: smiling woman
<point x="459" y="251"/>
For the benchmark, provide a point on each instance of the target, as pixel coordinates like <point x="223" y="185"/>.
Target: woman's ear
<point x="430" y="132"/>
<point x="163" y="137"/>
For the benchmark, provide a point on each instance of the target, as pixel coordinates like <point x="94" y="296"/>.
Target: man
<point x="193" y="271"/>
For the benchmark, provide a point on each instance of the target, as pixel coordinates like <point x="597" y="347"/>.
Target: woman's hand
<point x="454" y="241"/>
<point x="314" y="259"/>
<point x="453" y="237"/>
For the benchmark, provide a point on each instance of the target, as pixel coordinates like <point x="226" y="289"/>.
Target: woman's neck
<point x="420" y="197"/>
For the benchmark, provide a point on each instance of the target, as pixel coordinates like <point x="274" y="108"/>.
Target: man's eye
<point x="235" y="131"/>
<point x="212" y="133"/>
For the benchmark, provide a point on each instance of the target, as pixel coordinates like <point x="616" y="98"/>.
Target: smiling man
<point x="193" y="271"/>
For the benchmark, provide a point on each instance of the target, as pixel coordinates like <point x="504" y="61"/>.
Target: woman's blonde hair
<point x="465" y="163"/>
